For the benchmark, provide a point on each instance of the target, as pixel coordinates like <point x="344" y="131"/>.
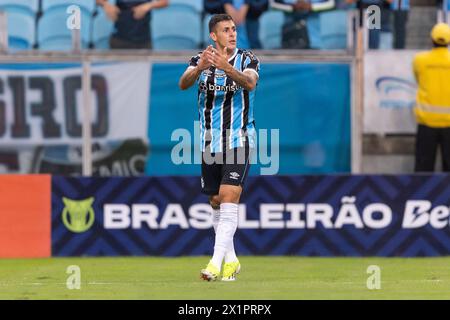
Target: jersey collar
<point x="234" y="55"/>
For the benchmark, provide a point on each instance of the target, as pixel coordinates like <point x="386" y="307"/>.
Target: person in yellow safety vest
<point x="432" y="73"/>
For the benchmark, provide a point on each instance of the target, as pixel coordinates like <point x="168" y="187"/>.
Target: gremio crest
<point x="78" y="215"/>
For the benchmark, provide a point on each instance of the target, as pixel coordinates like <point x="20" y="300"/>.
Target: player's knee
<point x="229" y="196"/>
<point x="214" y="201"/>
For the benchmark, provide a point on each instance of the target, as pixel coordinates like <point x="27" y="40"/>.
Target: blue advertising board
<point x="339" y="215"/>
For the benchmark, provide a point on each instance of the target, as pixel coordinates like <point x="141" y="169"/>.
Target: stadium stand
<point x="21" y="22"/>
<point x="21" y="30"/>
<point x="20" y="5"/>
<point x="197" y="5"/>
<point x="333" y="29"/>
<point x="270" y="29"/>
<point x="328" y="30"/>
<point x="52" y="37"/>
<point x="176" y="27"/>
<point x="205" y="30"/>
<point x="88" y="5"/>
<point x="101" y="30"/>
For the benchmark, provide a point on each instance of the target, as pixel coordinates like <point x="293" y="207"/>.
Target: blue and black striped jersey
<point x="225" y="108"/>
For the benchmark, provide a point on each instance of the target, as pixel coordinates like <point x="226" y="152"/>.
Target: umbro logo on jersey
<point x="207" y="73"/>
<point x="234" y="175"/>
<point x="217" y="75"/>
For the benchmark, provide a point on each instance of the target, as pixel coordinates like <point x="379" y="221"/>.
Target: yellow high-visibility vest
<point x="432" y="72"/>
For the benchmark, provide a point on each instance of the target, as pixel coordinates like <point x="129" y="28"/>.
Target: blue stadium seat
<point x="314" y="31"/>
<point x="333" y="29"/>
<point x="88" y="5"/>
<point x="176" y="27"/>
<point x="21" y="22"/>
<point x="31" y="6"/>
<point x="197" y="5"/>
<point x="21" y="30"/>
<point x="173" y="43"/>
<point x="271" y="23"/>
<point x="102" y="29"/>
<point x="53" y="33"/>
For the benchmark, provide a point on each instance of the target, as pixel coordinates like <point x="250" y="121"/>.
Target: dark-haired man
<point x="243" y="12"/>
<point x="226" y="78"/>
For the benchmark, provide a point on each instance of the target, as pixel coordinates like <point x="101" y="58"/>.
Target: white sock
<point x="230" y="255"/>
<point x="216" y="216"/>
<point x="226" y="228"/>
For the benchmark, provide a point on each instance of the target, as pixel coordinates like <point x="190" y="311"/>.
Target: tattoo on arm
<point x="189" y="77"/>
<point x="247" y="80"/>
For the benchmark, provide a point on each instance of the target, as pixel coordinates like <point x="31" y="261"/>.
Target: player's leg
<point x="211" y="177"/>
<point x="234" y="172"/>
<point x="230" y="255"/>
<point x="231" y="194"/>
<point x="228" y="222"/>
<point x="214" y="201"/>
<point x="213" y="268"/>
<point x="229" y="198"/>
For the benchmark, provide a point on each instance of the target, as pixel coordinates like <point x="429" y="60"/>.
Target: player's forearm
<point x="189" y="77"/>
<point x="245" y="80"/>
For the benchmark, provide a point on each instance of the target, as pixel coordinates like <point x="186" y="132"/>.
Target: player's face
<point x="225" y="35"/>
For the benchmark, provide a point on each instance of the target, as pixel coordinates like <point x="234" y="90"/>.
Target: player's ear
<point x="213" y="36"/>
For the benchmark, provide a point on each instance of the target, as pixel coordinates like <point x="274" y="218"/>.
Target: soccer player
<point x="226" y="78"/>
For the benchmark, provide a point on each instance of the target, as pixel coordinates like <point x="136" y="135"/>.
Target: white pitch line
<point x="99" y="283"/>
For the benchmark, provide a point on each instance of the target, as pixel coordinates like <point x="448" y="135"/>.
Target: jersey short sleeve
<point x="251" y="62"/>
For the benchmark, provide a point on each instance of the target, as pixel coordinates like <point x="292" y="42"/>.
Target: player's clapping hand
<point x="205" y="58"/>
<point x="220" y="59"/>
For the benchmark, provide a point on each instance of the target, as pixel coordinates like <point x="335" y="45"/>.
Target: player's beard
<point x="226" y="43"/>
<point x="231" y="46"/>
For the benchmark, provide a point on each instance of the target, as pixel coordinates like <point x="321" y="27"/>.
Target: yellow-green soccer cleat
<point x="210" y="273"/>
<point x="230" y="270"/>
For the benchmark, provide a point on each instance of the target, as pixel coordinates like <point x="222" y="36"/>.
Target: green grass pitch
<point x="262" y="278"/>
